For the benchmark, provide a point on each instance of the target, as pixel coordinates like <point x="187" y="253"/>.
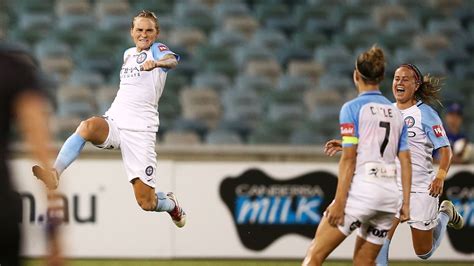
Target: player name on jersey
<point x="382" y="111"/>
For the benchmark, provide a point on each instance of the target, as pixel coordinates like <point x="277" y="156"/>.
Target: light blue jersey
<point x="425" y="133"/>
<point x="376" y="126"/>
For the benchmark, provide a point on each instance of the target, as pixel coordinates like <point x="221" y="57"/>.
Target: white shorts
<point x="423" y="211"/>
<point x="138" y="152"/>
<point x="372" y="225"/>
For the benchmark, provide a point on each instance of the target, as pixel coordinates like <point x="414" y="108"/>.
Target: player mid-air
<point x="131" y="123"/>
<point x="367" y="197"/>
<point x="413" y="93"/>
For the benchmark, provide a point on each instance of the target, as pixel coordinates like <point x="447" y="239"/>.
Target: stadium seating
<point x="246" y="66"/>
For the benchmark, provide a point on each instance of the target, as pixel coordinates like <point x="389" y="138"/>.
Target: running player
<point x="413" y="93"/>
<point x="367" y="197"/>
<point x="132" y="121"/>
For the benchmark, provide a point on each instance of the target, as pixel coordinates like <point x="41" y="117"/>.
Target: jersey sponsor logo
<point x="409" y="121"/>
<point x="377" y="232"/>
<point x="264" y="209"/>
<point x="347" y="129"/>
<point x="355" y="225"/>
<point x="438" y="130"/>
<point x="149" y="170"/>
<point x="162" y="47"/>
<point x="141" y="57"/>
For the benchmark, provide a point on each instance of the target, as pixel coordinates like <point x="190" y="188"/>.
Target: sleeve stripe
<point x="350" y="140"/>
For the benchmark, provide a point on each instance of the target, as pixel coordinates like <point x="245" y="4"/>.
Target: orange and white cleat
<point x="177" y="214"/>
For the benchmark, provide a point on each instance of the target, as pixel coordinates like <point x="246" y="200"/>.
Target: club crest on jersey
<point x="149" y="170"/>
<point x="162" y="47"/>
<point x="438" y="130"/>
<point x="409" y="121"/>
<point x="141" y="57"/>
<point x="347" y="129"/>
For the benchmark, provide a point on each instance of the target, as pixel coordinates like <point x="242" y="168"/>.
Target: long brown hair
<point x="371" y="65"/>
<point x="429" y="86"/>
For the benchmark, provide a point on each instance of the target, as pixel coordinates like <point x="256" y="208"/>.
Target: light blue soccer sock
<point x="382" y="258"/>
<point x="438" y="234"/>
<point x="70" y="150"/>
<point x="164" y="203"/>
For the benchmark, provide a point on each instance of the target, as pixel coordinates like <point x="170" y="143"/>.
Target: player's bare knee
<point x="422" y="250"/>
<point x="86" y="129"/>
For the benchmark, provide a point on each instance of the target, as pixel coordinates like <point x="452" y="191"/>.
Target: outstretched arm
<point x="168" y="61"/>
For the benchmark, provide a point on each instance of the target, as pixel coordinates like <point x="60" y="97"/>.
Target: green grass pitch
<point x="38" y="262"/>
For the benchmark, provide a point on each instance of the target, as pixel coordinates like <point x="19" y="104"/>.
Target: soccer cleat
<point x="49" y="177"/>
<point x="177" y="214"/>
<point x="455" y="219"/>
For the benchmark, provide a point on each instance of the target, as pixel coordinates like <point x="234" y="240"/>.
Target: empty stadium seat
<point x="447" y="27"/>
<point x="187" y="37"/>
<point x="305" y="69"/>
<point x="229" y="9"/>
<point x="194" y="15"/>
<point x="244" y="24"/>
<point x="269" y="68"/>
<point x="383" y="14"/>
<point x="309" y="40"/>
<point x="218" y="82"/>
<point x="330" y="82"/>
<point x="75" y="101"/>
<point x="227" y="38"/>
<point x="202" y="105"/>
<point x="105" y="97"/>
<point x="220" y="136"/>
<point x="270" y="39"/>
<point x="72" y="7"/>
<point x="431" y="43"/>
<point x="259" y="84"/>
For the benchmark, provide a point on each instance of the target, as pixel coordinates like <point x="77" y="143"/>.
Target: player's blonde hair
<point x="147" y="14"/>
<point x="371" y="65"/>
<point x="429" y="86"/>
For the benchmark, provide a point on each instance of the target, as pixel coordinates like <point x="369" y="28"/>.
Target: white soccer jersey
<point x="425" y="133"/>
<point x="136" y="105"/>
<point x="373" y="123"/>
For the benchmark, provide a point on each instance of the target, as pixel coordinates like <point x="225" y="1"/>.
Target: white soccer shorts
<point x="371" y="225"/>
<point x="423" y="211"/>
<point x="138" y="151"/>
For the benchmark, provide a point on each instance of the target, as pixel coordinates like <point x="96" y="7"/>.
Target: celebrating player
<point x="373" y="135"/>
<point x="413" y="93"/>
<point x="132" y="121"/>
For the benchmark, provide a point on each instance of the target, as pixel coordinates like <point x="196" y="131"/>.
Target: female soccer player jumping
<point x="367" y="197"/>
<point x="131" y="122"/>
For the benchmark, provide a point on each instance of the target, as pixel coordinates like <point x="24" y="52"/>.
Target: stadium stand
<point x="258" y="72"/>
